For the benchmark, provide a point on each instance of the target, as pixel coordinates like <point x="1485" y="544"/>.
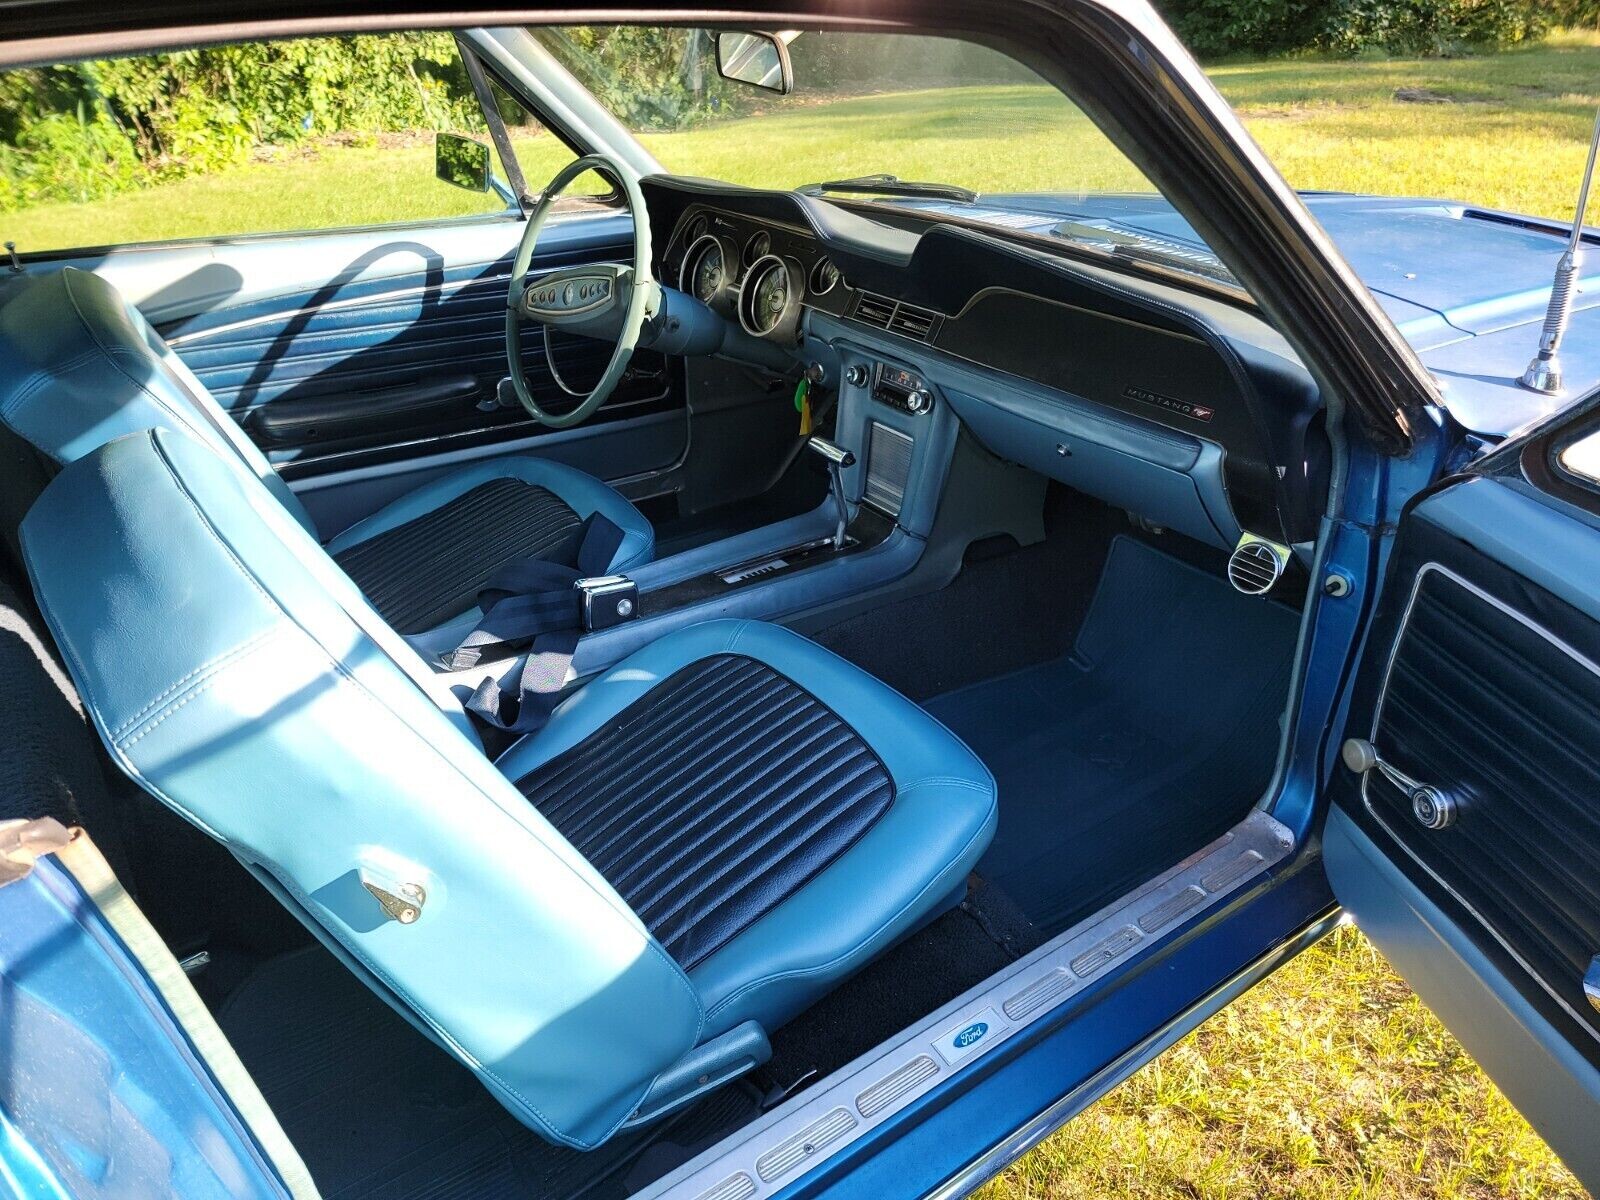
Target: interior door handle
<point x="1433" y="807"/>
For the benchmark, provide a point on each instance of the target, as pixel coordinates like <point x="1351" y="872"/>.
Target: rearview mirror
<point x="461" y="161"/>
<point x="758" y="59"/>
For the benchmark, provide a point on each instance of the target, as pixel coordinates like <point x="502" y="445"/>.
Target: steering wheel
<point x="578" y="297"/>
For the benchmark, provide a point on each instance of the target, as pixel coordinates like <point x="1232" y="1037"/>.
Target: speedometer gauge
<point x="705" y="274"/>
<point x="771" y="298"/>
<point x="769" y="304"/>
<point x="708" y="274"/>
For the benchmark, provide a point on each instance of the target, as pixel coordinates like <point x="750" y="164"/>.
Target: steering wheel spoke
<point x="604" y="300"/>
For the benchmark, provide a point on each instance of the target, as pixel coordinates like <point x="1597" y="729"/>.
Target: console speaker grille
<point x="888" y="467"/>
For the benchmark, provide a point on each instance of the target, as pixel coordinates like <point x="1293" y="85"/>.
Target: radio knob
<point x="919" y="401"/>
<point x="856" y="376"/>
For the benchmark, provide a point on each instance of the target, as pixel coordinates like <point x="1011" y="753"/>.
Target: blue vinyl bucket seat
<point x="603" y="923"/>
<point x="79" y="366"/>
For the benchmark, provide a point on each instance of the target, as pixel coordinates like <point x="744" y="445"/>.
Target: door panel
<point x="381" y="349"/>
<point x="361" y="363"/>
<point x="1480" y="682"/>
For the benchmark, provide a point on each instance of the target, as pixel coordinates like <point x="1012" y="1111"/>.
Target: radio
<point x="900" y="389"/>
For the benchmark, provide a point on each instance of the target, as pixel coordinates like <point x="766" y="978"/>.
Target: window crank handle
<point x="1433" y="808"/>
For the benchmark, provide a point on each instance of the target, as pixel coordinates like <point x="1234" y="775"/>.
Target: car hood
<point x="1467" y="287"/>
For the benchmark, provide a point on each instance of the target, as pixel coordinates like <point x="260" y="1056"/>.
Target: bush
<point x="91" y="130"/>
<point x="75" y="156"/>
<point x="1404" y="27"/>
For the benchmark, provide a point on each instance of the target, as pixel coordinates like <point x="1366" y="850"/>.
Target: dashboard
<point x="1182" y="406"/>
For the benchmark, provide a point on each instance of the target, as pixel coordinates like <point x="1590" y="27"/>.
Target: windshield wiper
<point x="890" y="185"/>
<point x="1142" y="248"/>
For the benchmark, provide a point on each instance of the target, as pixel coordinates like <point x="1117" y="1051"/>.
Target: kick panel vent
<point x="919" y="324"/>
<point x="1254" y="567"/>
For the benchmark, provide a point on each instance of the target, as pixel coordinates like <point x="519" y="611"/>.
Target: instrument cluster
<point x="759" y="274"/>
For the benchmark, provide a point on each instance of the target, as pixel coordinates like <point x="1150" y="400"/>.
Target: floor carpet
<point x="1153" y="735"/>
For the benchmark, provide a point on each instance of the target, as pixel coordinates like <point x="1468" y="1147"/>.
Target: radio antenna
<point x="1544" y="372"/>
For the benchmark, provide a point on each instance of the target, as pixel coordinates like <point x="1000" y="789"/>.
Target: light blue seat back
<point x="229" y="681"/>
<point x="80" y="366"/>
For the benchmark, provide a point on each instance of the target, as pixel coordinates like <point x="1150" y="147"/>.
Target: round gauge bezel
<point x="818" y="270"/>
<point x="749" y="257"/>
<point x="787" y="323"/>
<point x="698" y="227"/>
<point x="691" y="260"/>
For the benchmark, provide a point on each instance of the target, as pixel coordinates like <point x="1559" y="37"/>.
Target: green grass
<point x="1510" y="132"/>
<point x="1329" y="1080"/>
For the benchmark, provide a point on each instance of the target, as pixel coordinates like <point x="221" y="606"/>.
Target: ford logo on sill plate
<point x="970" y="1034"/>
<point x="967" y="1039"/>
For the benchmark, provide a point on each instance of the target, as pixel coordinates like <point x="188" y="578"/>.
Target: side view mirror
<point x="758" y="59"/>
<point x="461" y="162"/>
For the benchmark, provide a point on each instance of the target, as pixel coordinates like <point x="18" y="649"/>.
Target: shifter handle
<point x="835" y="456"/>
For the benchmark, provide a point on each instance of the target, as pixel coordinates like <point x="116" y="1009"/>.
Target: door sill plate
<point x="770" y="1153"/>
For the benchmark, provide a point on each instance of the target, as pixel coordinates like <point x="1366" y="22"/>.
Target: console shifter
<point x="837" y="458"/>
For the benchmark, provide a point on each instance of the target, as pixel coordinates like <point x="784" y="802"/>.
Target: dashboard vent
<point x="1255" y="566"/>
<point x="912" y="322"/>
<point x="905" y="319"/>
<point x="874" y="310"/>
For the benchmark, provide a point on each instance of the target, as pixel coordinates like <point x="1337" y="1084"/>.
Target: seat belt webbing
<point x="533" y="602"/>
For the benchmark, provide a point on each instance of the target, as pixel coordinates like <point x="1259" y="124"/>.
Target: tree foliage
<point x="1405" y="27"/>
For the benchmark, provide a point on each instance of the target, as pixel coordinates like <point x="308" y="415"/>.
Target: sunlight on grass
<point x="1506" y="131"/>
<point x="1330" y="1079"/>
<point x="997" y="139"/>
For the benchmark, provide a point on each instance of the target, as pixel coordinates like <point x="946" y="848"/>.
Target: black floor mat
<point x="51" y="765"/>
<point x="1151" y="738"/>
<point x="376" y="1110"/>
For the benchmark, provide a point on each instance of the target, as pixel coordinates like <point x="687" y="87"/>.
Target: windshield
<point x="918" y="110"/>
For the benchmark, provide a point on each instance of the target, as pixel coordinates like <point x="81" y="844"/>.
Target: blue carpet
<point x="1152" y="736"/>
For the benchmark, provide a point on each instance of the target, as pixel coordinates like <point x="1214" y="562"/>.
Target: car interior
<point x="566" y="687"/>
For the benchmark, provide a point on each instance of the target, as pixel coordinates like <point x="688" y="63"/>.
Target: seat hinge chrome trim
<point x="401" y="900"/>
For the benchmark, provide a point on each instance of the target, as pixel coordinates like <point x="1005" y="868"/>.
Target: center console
<point x="888" y="454"/>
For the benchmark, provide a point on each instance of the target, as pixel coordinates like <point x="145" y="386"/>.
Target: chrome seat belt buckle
<point x="607" y="600"/>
